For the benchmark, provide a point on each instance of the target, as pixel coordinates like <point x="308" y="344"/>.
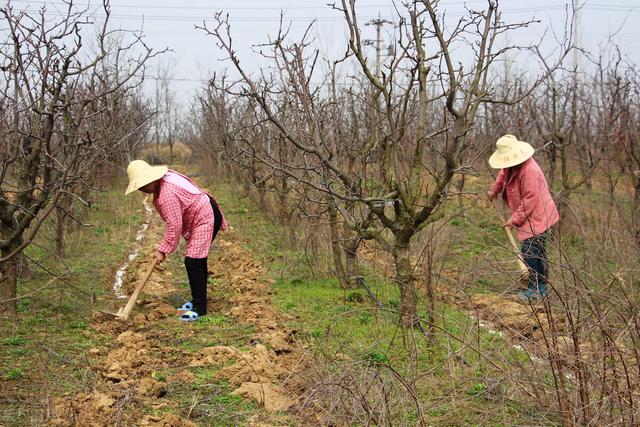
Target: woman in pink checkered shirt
<point x="188" y="211"/>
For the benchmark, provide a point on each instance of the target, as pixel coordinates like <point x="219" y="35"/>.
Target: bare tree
<point x="166" y="117"/>
<point x="623" y="88"/>
<point x="388" y="188"/>
<point x="55" y="97"/>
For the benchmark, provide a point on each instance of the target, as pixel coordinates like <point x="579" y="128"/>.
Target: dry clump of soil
<point x="266" y="373"/>
<point x="86" y="409"/>
<point x="524" y="324"/>
<point x="255" y="375"/>
<point x="124" y="377"/>
<point x="529" y="326"/>
<point x="520" y="320"/>
<point x="125" y="383"/>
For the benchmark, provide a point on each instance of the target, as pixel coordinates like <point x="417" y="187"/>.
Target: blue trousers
<point x="535" y="257"/>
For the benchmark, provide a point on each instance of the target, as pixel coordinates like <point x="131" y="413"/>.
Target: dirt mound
<point x="129" y="360"/>
<point x="126" y="368"/>
<point x="218" y="355"/>
<point x="106" y="324"/>
<point x="257" y="366"/>
<point x="252" y="298"/>
<point x="137" y="349"/>
<point x="167" y="420"/>
<point x="279" y="341"/>
<point x="86" y="409"/>
<point x="256" y="377"/>
<point x="152" y="388"/>
<point x="273" y="397"/>
<point x="260" y="374"/>
<point x="519" y="319"/>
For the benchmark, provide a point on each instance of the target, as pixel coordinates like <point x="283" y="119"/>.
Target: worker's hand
<point x="160" y="256"/>
<point x="491" y="195"/>
<point x="507" y="224"/>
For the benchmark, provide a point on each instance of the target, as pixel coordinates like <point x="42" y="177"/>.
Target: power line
<point x="594" y="6"/>
<point x="324" y="6"/>
<point x="337" y="18"/>
<point x="316" y="18"/>
<point x="205" y="80"/>
<point x="177" y="79"/>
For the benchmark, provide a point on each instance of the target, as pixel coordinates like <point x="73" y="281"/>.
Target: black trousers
<point x="217" y="215"/>
<point x="197" y="270"/>
<point x="535" y="257"/>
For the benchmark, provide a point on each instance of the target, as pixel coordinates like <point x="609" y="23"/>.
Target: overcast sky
<point x="171" y="24"/>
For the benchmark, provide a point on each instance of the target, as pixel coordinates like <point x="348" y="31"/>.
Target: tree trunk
<point x="636" y="215"/>
<point x="552" y="157"/>
<point x="351" y="261"/>
<point x="262" y="197"/>
<point x="336" y="248"/>
<point x="246" y="185"/>
<point x="260" y="187"/>
<point x="460" y="189"/>
<point x="24" y="271"/>
<point x="406" y="283"/>
<point x="284" y="211"/>
<point x="59" y="238"/>
<point x="431" y="300"/>
<point x="408" y="316"/>
<point x="8" y="281"/>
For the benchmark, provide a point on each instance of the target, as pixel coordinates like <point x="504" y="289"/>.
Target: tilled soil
<point x="126" y="391"/>
<point x="525" y="324"/>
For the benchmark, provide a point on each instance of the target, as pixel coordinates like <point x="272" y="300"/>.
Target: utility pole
<point x="372" y="144"/>
<point x="508" y="63"/>
<point x="156" y="118"/>
<point x="379" y="22"/>
<point x="576" y="41"/>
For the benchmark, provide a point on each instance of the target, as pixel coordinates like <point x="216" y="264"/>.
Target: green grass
<point x="48" y="338"/>
<point x="14" y="374"/>
<point x="159" y="376"/>
<point x="43" y="349"/>
<point x="210" y="401"/>
<point x="15" y="340"/>
<point x="205" y="375"/>
<point x="335" y="323"/>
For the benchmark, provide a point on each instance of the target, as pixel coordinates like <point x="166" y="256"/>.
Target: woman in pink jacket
<point x="188" y="211"/>
<point x="524" y="188"/>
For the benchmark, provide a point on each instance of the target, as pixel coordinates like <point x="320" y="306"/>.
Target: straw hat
<point x="142" y="173"/>
<point x="510" y="152"/>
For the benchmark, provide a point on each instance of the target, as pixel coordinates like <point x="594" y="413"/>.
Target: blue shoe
<point x="542" y="290"/>
<point x="527" y="295"/>
<point x="532" y="295"/>
<point x="189" y="316"/>
<point x="187" y="306"/>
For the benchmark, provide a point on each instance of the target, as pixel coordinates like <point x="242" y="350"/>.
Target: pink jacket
<point x="186" y="210"/>
<point x="524" y="188"/>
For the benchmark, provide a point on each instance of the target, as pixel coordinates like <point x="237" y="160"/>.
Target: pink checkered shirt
<point x="186" y="210"/>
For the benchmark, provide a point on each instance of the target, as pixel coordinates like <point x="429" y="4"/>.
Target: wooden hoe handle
<point x="521" y="265"/>
<point x="124" y="313"/>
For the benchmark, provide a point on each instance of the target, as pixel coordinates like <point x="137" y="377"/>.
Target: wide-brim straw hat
<point x="510" y="152"/>
<point x="142" y="173"/>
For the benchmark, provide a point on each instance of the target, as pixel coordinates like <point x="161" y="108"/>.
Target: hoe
<point x="123" y="313"/>
<point x="524" y="270"/>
